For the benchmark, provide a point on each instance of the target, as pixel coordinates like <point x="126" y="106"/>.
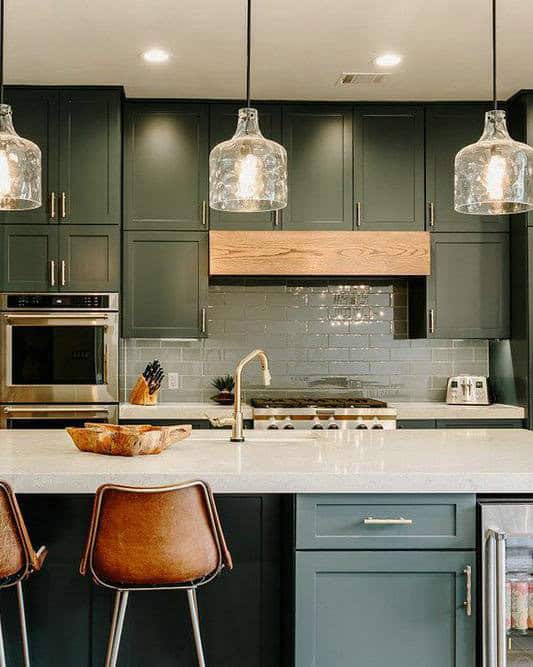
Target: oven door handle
<point x="28" y="408"/>
<point x="56" y="316"/>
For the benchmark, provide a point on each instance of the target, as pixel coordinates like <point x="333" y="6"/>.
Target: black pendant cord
<point x="248" y="49"/>
<point x="494" y="95"/>
<point x="2" y="15"/>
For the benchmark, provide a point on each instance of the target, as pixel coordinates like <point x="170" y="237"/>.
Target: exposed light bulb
<point x="388" y="60"/>
<point x="495" y="177"/>
<point x="250" y="180"/>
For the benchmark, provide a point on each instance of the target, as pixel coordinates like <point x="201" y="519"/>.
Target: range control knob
<point x="272" y="424"/>
<point x="332" y="424"/>
<point x="360" y="424"/>
<point x="287" y="424"/>
<point x="317" y="425"/>
<point x="376" y="424"/>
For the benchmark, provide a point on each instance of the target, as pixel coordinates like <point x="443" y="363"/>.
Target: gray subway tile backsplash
<point x="321" y="338"/>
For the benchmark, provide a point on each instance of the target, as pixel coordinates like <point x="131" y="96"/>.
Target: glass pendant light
<point x="20" y="159"/>
<point x="248" y="173"/>
<point x="494" y="176"/>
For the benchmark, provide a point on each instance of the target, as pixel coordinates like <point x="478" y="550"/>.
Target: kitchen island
<point x="295" y="508"/>
<point x="421" y="461"/>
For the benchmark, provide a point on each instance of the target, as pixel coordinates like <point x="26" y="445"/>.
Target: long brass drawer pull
<point x="370" y="521"/>
<point x="52" y="200"/>
<point x="468" y="602"/>
<point x="52" y="273"/>
<point x="63" y="271"/>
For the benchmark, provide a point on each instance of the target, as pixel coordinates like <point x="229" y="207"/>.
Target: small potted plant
<point x="224" y="385"/>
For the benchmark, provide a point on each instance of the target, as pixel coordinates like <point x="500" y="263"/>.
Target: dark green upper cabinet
<point x="165" y="284"/>
<point x="29" y="258"/>
<point x="166" y="166"/>
<point x="448" y="129"/>
<point x="467" y="294"/>
<point x="318" y="139"/>
<point x="35" y="117"/>
<point x="89" y="258"/>
<point x="90" y="150"/>
<point x="389" y="167"/>
<point x="223" y="126"/>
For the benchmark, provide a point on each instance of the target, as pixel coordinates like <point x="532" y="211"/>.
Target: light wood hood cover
<point x="319" y="253"/>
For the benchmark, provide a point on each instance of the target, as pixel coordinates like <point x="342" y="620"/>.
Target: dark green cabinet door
<point x="89" y="258"/>
<point x="29" y="258"/>
<point x="377" y="608"/>
<point x="389" y="167"/>
<point x="165" y="285"/>
<point x="318" y="140"/>
<point x="448" y="129"/>
<point x="468" y="294"/>
<point x="166" y="166"/>
<point x="223" y="124"/>
<point x="90" y="156"/>
<point x="36" y="117"/>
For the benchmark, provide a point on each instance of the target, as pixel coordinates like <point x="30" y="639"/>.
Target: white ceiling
<point x="300" y="47"/>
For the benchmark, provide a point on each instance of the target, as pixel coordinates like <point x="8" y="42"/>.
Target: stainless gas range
<point x="322" y="413"/>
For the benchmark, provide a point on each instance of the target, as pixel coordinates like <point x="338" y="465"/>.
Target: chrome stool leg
<point x="195" y="620"/>
<point x="23" y="629"/>
<point x="2" y="651"/>
<point x="119" y="611"/>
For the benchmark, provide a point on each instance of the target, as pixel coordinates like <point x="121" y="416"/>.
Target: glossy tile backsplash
<point x="320" y="338"/>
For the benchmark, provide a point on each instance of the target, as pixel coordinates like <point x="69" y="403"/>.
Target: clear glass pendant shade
<point x="20" y="167"/>
<point x="494" y="176"/>
<point x="248" y="173"/>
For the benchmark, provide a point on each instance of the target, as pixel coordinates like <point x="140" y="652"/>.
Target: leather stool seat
<point x="154" y="538"/>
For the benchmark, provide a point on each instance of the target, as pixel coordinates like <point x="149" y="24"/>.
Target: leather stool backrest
<point x="164" y="537"/>
<point x="17" y="557"/>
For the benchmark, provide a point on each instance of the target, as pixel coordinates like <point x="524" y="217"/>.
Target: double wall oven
<point x="59" y="359"/>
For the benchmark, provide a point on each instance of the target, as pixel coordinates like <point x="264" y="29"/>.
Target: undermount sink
<point x="254" y="436"/>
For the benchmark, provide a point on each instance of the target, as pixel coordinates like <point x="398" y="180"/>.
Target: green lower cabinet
<point x="29" y="257"/>
<point x="377" y="608"/>
<point x="165" y="284"/>
<point x="89" y="258"/>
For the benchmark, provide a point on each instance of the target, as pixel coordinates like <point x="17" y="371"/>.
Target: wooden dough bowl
<point x="127" y="440"/>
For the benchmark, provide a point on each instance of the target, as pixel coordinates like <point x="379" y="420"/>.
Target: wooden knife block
<point x="139" y="394"/>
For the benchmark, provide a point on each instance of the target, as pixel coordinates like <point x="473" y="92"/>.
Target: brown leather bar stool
<point x="159" y="538"/>
<point x="17" y="560"/>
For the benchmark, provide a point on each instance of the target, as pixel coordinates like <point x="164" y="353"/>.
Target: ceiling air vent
<point x="356" y="78"/>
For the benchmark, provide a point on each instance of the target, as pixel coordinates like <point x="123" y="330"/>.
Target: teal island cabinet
<point x="385" y="580"/>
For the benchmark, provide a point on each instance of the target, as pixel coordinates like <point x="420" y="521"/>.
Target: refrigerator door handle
<point x="489" y="616"/>
<point x="501" y="625"/>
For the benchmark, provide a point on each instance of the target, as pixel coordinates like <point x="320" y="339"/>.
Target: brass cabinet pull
<point x="204" y="213"/>
<point x="63" y="205"/>
<point x="276" y="220"/>
<point x="467" y="604"/>
<point x="431" y="321"/>
<point x="52" y="205"/>
<point x="431" y="213"/>
<point x="203" y="320"/>
<point x="52" y="273"/>
<point x="63" y="279"/>
<point x="358" y="214"/>
<point x="370" y="521"/>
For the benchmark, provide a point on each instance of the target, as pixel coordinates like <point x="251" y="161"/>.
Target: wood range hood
<point x="318" y="253"/>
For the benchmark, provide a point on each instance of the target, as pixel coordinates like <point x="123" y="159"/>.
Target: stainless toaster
<point x="467" y="390"/>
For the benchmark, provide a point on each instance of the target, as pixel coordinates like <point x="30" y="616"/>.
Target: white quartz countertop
<point x="414" y="461"/>
<point x="406" y="410"/>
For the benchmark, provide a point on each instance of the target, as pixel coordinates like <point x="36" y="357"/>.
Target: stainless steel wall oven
<point x="59" y="348"/>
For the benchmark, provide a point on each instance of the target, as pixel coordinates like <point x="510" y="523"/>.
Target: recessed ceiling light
<point x="388" y="60"/>
<point x="156" y="56"/>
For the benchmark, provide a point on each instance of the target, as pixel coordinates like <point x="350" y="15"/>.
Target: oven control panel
<point x="59" y="301"/>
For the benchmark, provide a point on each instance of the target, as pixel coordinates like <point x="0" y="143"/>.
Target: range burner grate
<point x="318" y="402"/>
